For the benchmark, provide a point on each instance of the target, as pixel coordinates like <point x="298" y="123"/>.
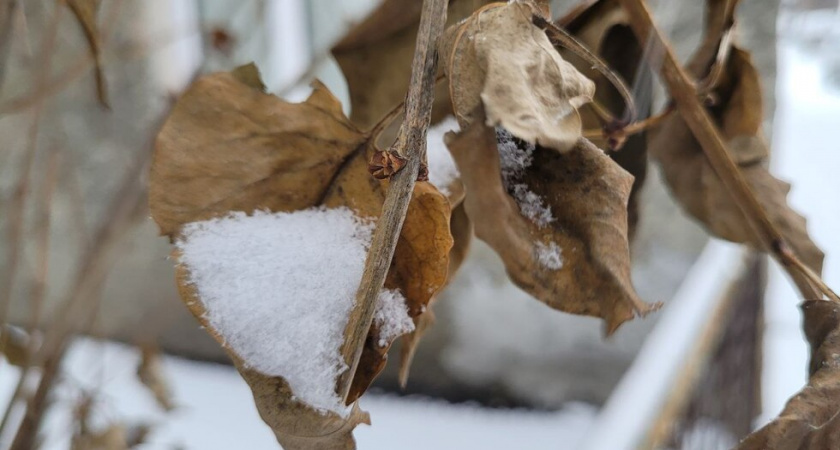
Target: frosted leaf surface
<point x="442" y="168"/>
<point x="515" y="157"/>
<point x="392" y="317"/>
<point x="279" y="288"/>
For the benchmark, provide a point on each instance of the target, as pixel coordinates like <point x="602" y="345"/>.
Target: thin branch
<point x="561" y="38"/>
<point x="682" y="89"/>
<point x="411" y="145"/>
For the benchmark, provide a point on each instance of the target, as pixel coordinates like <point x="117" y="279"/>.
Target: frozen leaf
<point x="738" y="113"/>
<point x="229" y="147"/>
<point x="150" y="373"/>
<point x="811" y="418"/>
<point x="602" y="27"/>
<point x="499" y="59"/>
<point x="587" y="192"/>
<point x="375" y="58"/>
<point x="85" y="12"/>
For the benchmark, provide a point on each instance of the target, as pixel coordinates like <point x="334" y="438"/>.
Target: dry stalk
<point x="411" y="145"/>
<point x="684" y="93"/>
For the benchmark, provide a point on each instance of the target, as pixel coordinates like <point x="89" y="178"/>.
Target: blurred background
<point x="81" y="261"/>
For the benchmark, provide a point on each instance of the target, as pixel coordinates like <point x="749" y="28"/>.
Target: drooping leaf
<point x="499" y="63"/>
<point x="811" y="418"/>
<point x="228" y="146"/>
<point x="375" y="58"/>
<point x="693" y="182"/>
<point x="588" y="192"/>
<point x="602" y="27"/>
<point x="86" y="12"/>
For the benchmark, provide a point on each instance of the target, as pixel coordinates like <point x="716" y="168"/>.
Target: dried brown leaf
<point x="738" y="113"/>
<point x="85" y="12"/>
<point x="500" y="60"/>
<point x="150" y="373"/>
<point x="228" y="146"/>
<point x="602" y="27"/>
<point x="589" y="192"/>
<point x="15" y="346"/>
<point x="375" y="58"/>
<point x="112" y="438"/>
<point x="811" y="418"/>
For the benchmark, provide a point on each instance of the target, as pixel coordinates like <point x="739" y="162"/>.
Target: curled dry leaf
<point x="15" y="345"/>
<point x="811" y="419"/>
<point x="738" y="113"/>
<point x="375" y="58"/>
<point x="589" y="193"/>
<point x="602" y="27"/>
<point x="228" y="146"/>
<point x="150" y="373"/>
<point x="500" y="60"/>
<point x="85" y="12"/>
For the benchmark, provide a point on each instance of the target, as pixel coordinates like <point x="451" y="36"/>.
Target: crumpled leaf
<point x="588" y="192"/>
<point x="811" y="418"/>
<point x="229" y="146"/>
<point x="500" y="60"/>
<point x="375" y="58"/>
<point x="85" y="12"/>
<point x="602" y="26"/>
<point x="693" y="182"/>
<point x="150" y="373"/>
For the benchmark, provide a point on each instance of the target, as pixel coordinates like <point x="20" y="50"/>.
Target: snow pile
<point x="279" y="288"/>
<point x="514" y="160"/>
<point x="391" y="317"/>
<point x="442" y="168"/>
<point x="550" y="255"/>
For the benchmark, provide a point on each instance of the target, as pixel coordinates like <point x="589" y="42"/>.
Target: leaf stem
<point x="410" y="144"/>
<point x="684" y="94"/>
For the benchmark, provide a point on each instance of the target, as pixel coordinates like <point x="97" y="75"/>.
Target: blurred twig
<point x="7" y="15"/>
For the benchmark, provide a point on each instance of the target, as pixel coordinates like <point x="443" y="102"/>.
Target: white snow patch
<point x="279" y="288"/>
<point x="442" y="168"/>
<point x="391" y="317"/>
<point x="514" y="160"/>
<point x="550" y="255"/>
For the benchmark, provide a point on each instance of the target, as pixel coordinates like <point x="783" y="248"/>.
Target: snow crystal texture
<point x="515" y="157"/>
<point x="442" y="168"/>
<point x="391" y="317"/>
<point x="279" y="288"/>
<point x="549" y="255"/>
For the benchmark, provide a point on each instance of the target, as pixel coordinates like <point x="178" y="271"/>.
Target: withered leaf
<point x="602" y="26"/>
<point x="229" y="146"/>
<point x="738" y="113"/>
<point x="811" y="418"/>
<point x="150" y="373"/>
<point x="588" y="191"/>
<point x="297" y="426"/>
<point x="85" y="12"/>
<point x="499" y="59"/>
<point x="375" y="58"/>
<point x="14" y="345"/>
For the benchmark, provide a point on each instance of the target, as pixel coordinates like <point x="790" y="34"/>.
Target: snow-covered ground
<point x="216" y="411"/>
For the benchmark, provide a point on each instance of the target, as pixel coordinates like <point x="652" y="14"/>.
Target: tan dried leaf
<point x="588" y="192"/>
<point x="499" y="59"/>
<point x="602" y="27"/>
<point x="112" y="438"/>
<point x="229" y="146"/>
<point x="375" y="58"/>
<point x="14" y="346"/>
<point x="85" y="12"/>
<point x="150" y="373"/>
<point x="738" y="113"/>
<point x="811" y="418"/>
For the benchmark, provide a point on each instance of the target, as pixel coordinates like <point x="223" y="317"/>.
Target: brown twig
<point x="411" y="145"/>
<point x="684" y="94"/>
<point x="635" y="127"/>
<point x="561" y="38"/>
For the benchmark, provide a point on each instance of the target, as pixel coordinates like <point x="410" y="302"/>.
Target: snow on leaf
<point x="228" y="149"/>
<point x="588" y="192"/>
